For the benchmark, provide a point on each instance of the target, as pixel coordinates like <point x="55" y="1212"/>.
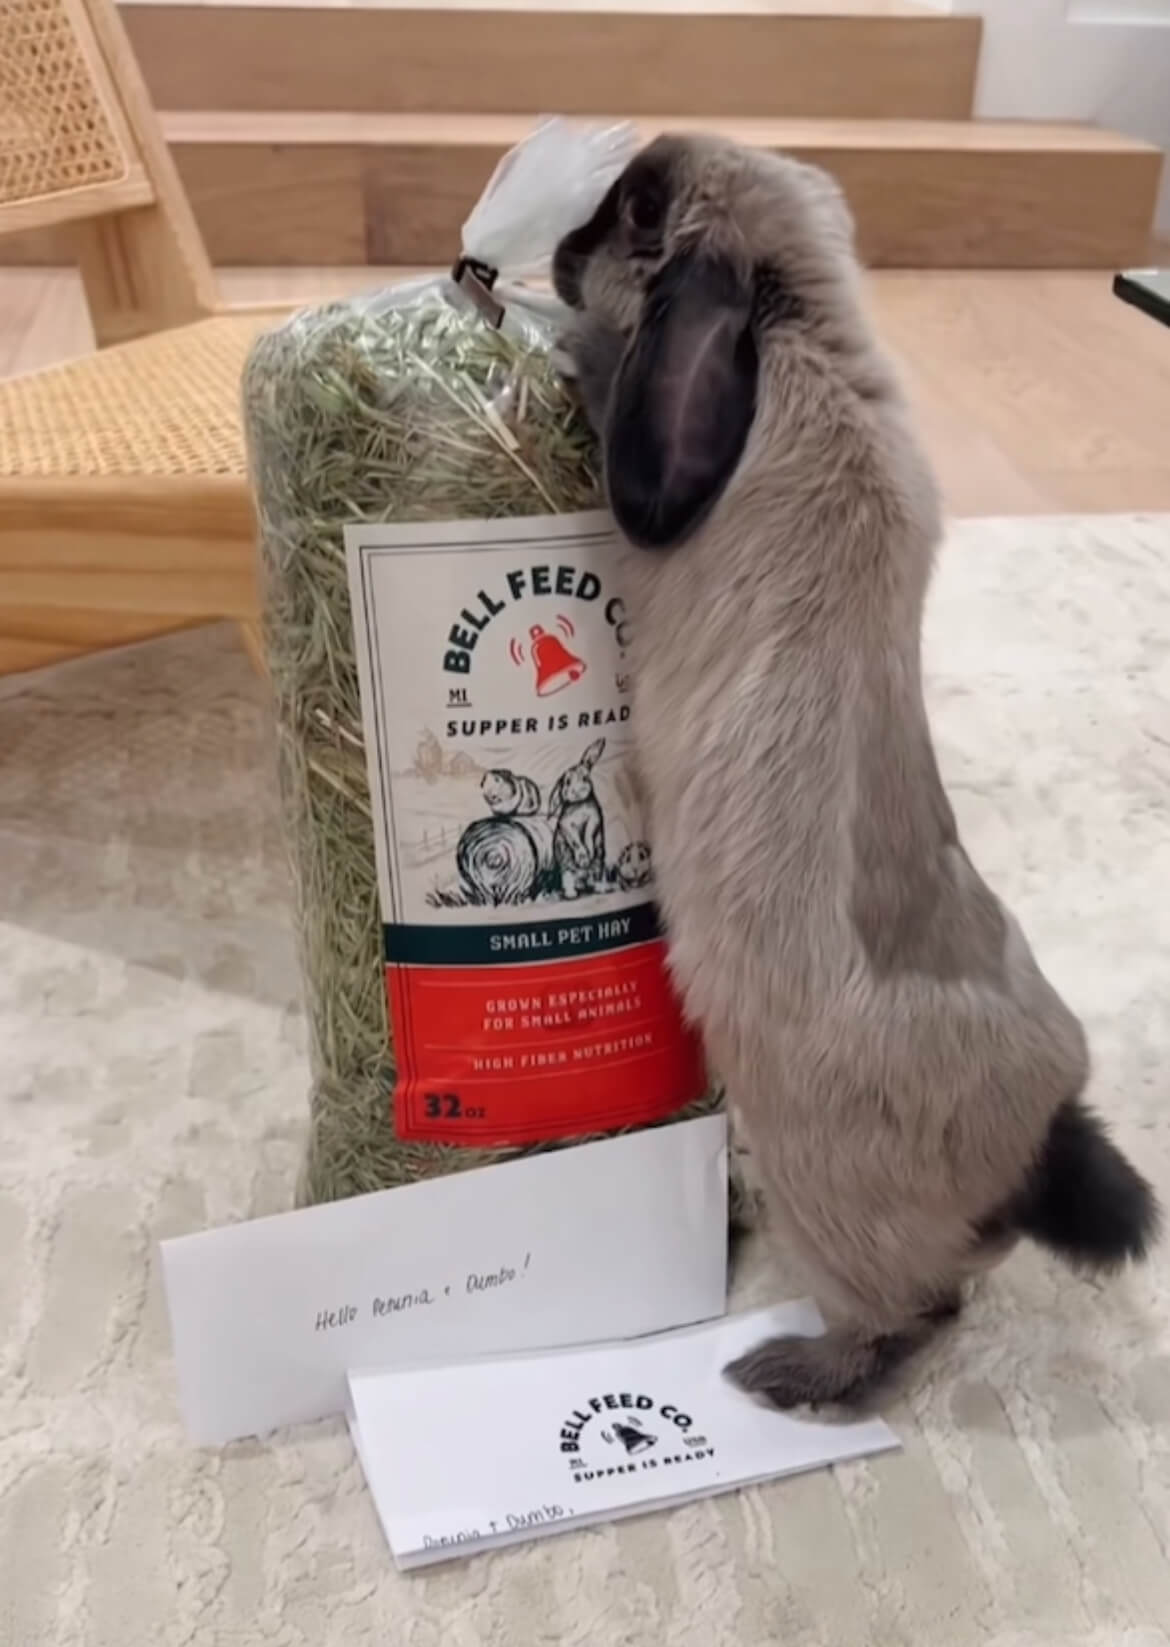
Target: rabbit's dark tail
<point x="1083" y="1199"/>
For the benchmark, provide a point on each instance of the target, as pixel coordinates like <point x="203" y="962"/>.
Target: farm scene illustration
<point x="491" y="835"/>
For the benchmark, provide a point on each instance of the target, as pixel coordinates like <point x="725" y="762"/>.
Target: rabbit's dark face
<point x="703" y="260"/>
<point x="603" y="267"/>
<point x="776" y="222"/>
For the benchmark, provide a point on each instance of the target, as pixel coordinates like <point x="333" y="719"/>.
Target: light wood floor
<point x="1038" y="393"/>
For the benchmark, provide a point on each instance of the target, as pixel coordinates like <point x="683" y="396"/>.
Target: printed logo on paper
<point x="624" y="1434"/>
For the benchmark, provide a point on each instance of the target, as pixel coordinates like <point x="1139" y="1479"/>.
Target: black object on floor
<point x="1146" y="289"/>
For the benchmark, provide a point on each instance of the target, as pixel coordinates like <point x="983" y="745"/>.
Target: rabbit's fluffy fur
<point x="909" y="1081"/>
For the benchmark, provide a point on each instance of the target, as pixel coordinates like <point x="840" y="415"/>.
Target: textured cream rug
<point x="152" y="1081"/>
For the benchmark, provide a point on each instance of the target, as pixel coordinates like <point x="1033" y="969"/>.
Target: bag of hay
<point x="445" y="632"/>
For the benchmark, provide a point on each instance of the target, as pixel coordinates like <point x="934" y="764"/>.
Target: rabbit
<point x="579" y="833"/>
<point x="510" y="794"/>
<point x="909" y="1082"/>
<point x="633" y="868"/>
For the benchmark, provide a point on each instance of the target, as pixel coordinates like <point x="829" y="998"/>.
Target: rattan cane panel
<point x="167" y="405"/>
<point x="55" y="133"/>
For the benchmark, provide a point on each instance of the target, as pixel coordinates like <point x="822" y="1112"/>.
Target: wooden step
<point x="855" y="58"/>
<point x="353" y="189"/>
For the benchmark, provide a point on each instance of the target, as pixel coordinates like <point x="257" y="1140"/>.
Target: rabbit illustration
<point x="510" y="794"/>
<point x="910" y="1083"/>
<point x="633" y="866"/>
<point x="579" y="833"/>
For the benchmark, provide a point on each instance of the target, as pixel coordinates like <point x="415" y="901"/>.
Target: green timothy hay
<point x="382" y="410"/>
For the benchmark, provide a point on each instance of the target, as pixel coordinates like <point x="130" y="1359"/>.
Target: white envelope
<point x="603" y="1240"/>
<point x="466" y="1458"/>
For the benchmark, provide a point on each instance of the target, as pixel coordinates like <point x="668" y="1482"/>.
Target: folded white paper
<point x="465" y="1458"/>
<point x="603" y="1240"/>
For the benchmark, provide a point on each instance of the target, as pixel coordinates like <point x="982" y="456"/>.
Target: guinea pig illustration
<point x="510" y="794"/>
<point x="633" y="867"/>
<point x="579" y="835"/>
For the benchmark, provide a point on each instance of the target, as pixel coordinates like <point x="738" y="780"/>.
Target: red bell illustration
<point x="555" y="665"/>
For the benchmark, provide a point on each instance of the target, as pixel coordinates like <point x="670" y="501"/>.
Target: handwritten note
<point x="605" y="1240"/>
<point x="398" y="1304"/>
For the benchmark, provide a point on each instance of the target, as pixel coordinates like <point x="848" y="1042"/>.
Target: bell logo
<point x="631" y="1435"/>
<point x="636" y="1433"/>
<point x="553" y="665"/>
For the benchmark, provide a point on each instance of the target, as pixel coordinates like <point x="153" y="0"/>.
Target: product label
<point x="524" y="963"/>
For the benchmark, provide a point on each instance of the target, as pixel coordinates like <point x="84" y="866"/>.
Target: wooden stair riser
<point x="316" y="190"/>
<point x="372" y="60"/>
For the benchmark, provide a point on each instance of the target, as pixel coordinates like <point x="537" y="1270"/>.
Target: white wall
<point x="1041" y="63"/>
<point x="1119" y="11"/>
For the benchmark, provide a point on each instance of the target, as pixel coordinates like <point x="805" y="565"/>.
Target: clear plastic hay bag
<point x="503" y="806"/>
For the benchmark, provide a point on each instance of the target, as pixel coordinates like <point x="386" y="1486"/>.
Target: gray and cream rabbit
<point x="909" y="1082"/>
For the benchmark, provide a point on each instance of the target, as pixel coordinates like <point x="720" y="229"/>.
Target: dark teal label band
<point x="522" y="942"/>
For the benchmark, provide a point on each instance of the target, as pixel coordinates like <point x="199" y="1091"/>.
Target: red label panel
<point x="517" y="1054"/>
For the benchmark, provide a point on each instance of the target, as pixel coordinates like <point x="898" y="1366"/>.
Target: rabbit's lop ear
<point x="593" y="754"/>
<point x="683" y="402"/>
<point x="557" y="799"/>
